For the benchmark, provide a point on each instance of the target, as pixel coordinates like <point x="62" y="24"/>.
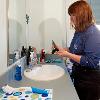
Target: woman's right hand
<point x="62" y="49"/>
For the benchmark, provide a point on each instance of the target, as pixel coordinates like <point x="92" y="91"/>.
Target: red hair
<point x="83" y="13"/>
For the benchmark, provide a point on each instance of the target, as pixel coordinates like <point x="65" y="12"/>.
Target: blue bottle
<point x="18" y="75"/>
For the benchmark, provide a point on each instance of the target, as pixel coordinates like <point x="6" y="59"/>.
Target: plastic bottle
<point x="18" y="75"/>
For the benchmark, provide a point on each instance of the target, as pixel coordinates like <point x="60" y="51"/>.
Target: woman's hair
<point x="83" y="14"/>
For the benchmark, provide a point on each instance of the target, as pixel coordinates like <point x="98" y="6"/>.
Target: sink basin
<point x="44" y="73"/>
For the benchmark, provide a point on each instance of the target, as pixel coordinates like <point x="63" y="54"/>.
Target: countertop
<point x="63" y="88"/>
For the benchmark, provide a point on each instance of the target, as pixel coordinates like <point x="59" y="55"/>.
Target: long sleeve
<point x="87" y="45"/>
<point x="91" y="55"/>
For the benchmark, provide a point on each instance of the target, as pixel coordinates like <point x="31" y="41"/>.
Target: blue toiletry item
<point x="39" y="91"/>
<point x="18" y="75"/>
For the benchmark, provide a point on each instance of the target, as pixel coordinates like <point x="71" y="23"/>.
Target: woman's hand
<point x="62" y="49"/>
<point x="65" y="53"/>
<point x="62" y="52"/>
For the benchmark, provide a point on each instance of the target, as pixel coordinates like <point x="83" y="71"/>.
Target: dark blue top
<point x="87" y="44"/>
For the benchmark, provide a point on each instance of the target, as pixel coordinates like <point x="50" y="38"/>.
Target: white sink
<point x="44" y="73"/>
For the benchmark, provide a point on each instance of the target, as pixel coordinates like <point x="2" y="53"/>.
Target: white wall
<point x="3" y="36"/>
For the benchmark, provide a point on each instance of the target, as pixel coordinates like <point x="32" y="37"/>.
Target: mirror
<point x="36" y="23"/>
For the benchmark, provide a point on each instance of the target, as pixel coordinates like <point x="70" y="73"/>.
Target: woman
<point x="84" y="51"/>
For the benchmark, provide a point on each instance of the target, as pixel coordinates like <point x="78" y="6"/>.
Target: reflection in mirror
<point x="16" y="27"/>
